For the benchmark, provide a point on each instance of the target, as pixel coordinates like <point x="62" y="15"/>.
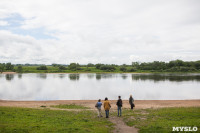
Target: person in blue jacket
<point x="98" y="106"/>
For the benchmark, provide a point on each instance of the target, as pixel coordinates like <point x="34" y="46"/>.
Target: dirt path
<point x="121" y="127"/>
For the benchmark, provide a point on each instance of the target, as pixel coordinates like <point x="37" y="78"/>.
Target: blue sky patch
<point x="15" y="22"/>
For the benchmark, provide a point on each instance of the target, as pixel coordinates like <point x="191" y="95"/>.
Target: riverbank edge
<point x="140" y="104"/>
<point x="102" y="72"/>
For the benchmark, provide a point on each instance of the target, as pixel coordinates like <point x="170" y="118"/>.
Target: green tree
<point x="107" y="67"/>
<point x="176" y="63"/>
<point x="74" y="66"/>
<point x="43" y="67"/>
<point x="123" y="69"/>
<point x="9" y="66"/>
<point x="135" y="64"/>
<point x="54" y="65"/>
<point x="197" y="64"/>
<point x="62" y="68"/>
<point x="19" y="69"/>
<point x="90" y="65"/>
<point x="98" y="66"/>
<point x="2" y="67"/>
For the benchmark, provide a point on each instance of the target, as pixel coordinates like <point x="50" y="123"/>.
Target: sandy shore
<point x="8" y="73"/>
<point x="140" y="104"/>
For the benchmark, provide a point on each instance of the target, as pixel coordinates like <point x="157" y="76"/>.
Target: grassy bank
<point x="51" y="69"/>
<point x="162" y="120"/>
<point x="45" y="120"/>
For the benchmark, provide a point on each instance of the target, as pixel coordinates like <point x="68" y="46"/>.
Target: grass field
<point x="24" y="120"/>
<point x="162" y="120"/>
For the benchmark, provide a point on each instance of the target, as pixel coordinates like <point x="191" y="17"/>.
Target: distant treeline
<point x="156" y="66"/>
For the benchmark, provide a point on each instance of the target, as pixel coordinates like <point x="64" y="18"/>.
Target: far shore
<point x="75" y="72"/>
<point x="140" y="104"/>
<point x="8" y="73"/>
<point x="78" y="72"/>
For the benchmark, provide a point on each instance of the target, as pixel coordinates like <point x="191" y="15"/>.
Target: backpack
<point x="96" y="105"/>
<point x="119" y="102"/>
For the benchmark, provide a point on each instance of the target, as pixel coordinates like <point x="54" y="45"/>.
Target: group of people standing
<point x="106" y="104"/>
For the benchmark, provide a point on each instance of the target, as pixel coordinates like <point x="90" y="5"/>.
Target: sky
<point x="99" y="31"/>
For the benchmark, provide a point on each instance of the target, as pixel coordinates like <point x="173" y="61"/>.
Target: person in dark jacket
<point x="119" y="106"/>
<point x="131" y="102"/>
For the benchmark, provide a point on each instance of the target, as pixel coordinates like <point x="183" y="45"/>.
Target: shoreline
<point x="8" y="73"/>
<point x="140" y="104"/>
<point x="101" y="72"/>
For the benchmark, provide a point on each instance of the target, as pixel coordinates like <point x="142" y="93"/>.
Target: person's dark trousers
<point x="107" y="113"/>
<point x="119" y="110"/>
<point x="132" y="106"/>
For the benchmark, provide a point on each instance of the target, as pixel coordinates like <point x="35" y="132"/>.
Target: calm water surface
<point x="95" y="86"/>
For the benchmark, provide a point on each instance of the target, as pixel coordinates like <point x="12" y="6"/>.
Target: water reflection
<point x="52" y="87"/>
<point x="42" y="75"/>
<point x="124" y="76"/>
<point x="90" y="75"/>
<point x="74" y="76"/>
<point x="106" y="76"/>
<point x="19" y="75"/>
<point x="98" y="76"/>
<point x="164" y="77"/>
<point x="9" y="77"/>
<point x="62" y="75"/>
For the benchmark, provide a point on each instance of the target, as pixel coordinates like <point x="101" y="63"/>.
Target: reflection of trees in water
<point x="61" y="75"/>
<point x="42" y="75"/>
<point x="90" y="75"/>
<point x="74" y="76"/>
<point x="98" y="76"/>
<point x="9" y="76"/>
<point x="19" y="75"/>
<point x="163" y="77"/>
<point x="105" y="76"/>
<point x="124" y="76"/>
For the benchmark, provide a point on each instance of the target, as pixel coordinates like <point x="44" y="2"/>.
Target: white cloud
<point x="111" y="31"/>
<point x="3" y="23"/>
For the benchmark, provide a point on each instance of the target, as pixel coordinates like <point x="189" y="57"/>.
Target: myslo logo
<point x="184" y="128"/>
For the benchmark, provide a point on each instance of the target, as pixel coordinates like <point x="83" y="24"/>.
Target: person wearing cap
<point x="131" y="102"/>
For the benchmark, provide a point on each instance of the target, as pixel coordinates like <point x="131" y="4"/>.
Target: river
<point x="91" y="86"/>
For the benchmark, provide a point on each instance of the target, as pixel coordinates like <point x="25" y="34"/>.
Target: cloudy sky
<point x="99" y="31"/>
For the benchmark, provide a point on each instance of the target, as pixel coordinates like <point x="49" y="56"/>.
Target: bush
<point x="42" y="67"/>
<point x="123" y="69"/>
<point x="74" y="66"/>
<point x="98" y="66"/>
<point x="107" y="67"/>
<point x="19" y="69"/>
<point x="62" y="68"/>
<point x="131" y="70"/>
<point x="9" y="66"/>
<point x="187" y="69"/>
